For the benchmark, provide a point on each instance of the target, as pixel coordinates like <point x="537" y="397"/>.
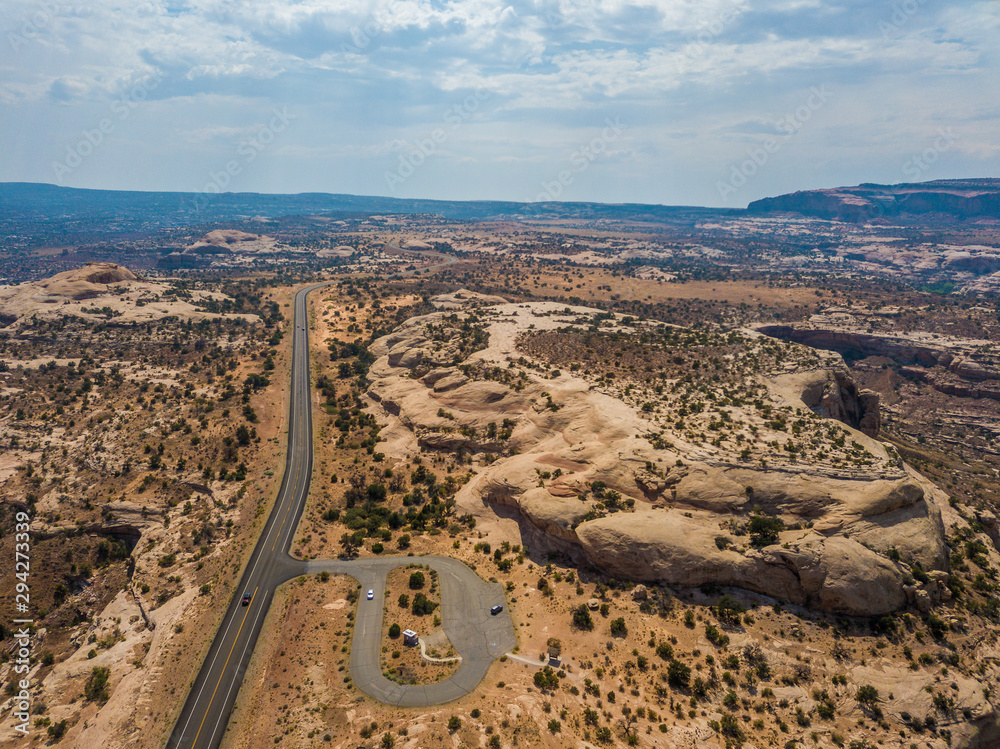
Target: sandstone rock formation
<point x="833" y="394"/>
<point x="215" y="245"/>
<point x="573" y="464"/>
<point x="101" y="291"/>
<point x="87" y="282"/>
<point x="956" y="366"/>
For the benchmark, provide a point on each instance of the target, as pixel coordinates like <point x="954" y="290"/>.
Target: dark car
<point x="496" y="609"/>
<point x="246" y="599"/>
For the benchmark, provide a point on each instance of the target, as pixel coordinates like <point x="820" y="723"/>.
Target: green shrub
<point x="546" y="678"/>
<point x="678" y="675"/>
<point x="764" y="530"/>
<point x="96" y="688"/>
<point x="582" y="619"/>
<point x="422" y="605"/>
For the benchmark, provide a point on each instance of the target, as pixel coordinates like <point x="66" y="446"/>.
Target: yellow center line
<point x="278" y="534"/>
<point x="212" y="698"/>
<point x="295" y="483"/>
<point x="284" y="519"/>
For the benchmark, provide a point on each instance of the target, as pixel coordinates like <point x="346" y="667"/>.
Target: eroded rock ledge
<point x="956" y="366"/>
<point x="658" y="474"/>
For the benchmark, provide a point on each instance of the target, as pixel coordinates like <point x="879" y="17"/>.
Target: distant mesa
<point x="948" y="199"/>
<point x="134" y="210"/>
<point x="222" y="242"/>
<point x="216" y="243"/>
<point x="225" y="241"/>
<point x="38" y="205"/>
<point x="229" y="236"/>
<point x="414" y="244"/>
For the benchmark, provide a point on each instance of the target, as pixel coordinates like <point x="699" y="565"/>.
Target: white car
<point x="371" y="595"/>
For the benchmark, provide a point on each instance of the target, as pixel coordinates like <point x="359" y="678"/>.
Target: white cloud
<point x="696" y="79"/>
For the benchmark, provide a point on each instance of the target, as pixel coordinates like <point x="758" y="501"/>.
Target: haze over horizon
<point x="695" y="103"/>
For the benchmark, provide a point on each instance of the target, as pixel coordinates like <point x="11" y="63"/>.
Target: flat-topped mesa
<point x="951" y="198"/>
<point x="662" y="454"/>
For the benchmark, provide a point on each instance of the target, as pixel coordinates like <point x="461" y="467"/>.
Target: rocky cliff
<point x="732" y="472"/>
<point x="956" y="366"/>
<point x="960" y="199"/>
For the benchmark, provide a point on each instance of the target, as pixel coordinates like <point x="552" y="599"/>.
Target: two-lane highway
<point x="466" y="599"/>
<point x="203" y="718"/>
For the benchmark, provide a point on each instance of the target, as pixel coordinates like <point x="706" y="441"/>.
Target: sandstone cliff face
<point x="576" y="467"/>
<point x="962" y="367"/>
<point x="855" y="343"/>
<point x="833" y="394"/>
<point x="835" y="574"/>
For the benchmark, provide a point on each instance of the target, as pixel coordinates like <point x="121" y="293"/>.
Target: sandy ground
<point x="616" y="675"/>
<point x="407" y="662"/>
<point x="294" y="691"/>
<point x="150" y="669"/>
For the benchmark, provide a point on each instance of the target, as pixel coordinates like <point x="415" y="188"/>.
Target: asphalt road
<point x="465" y="617"/>
<point x="478" y="637"/>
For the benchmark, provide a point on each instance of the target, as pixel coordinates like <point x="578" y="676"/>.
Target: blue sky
<point x="700" y="102"/>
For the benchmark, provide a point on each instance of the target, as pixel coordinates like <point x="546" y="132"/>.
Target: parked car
<point x="496" y="609"/>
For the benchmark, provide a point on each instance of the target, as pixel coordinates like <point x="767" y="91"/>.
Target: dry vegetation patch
<point x="295" y="692"/>
<point x="413" y="602"/>
<point x="143" y="452"/>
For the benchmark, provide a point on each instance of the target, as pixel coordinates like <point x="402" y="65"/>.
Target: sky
<point x="691" y="102"/>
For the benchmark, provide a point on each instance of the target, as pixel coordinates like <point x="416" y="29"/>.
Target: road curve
<point x="465" y="617"/>
<point x="466" y="599"/>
